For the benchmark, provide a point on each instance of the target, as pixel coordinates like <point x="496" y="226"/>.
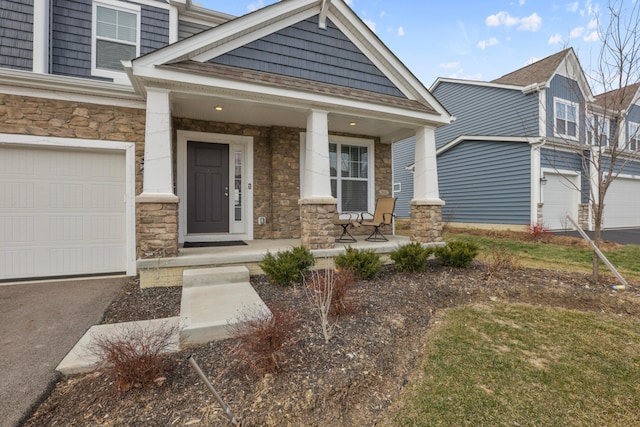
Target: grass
<point x="516" y="365"/>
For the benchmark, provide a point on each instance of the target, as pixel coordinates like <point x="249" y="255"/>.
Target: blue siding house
<point x="513" y="156"/>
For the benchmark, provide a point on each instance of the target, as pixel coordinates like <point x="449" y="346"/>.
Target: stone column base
<point x="317" y="222"/>
<point x="426" y="222"/>
<point x="157" y="227"/>
<point x="583" y="216"/>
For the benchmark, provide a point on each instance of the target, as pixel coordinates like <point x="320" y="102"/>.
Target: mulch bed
<point x="351" y="380"/>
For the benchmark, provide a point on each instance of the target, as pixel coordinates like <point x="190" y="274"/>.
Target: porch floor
<point x="168" y="271"/>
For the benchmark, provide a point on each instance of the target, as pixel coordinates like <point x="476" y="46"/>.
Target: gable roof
<point x="538" y="72"/>
<point x="618" y="99"/>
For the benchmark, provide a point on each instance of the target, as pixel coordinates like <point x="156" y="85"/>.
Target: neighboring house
<point x="130" y="127"/>
<point x="509" y="159"/>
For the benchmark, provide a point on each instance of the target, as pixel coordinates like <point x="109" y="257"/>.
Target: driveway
<point x="40" y="323"/>
<point x="628" y="236"/>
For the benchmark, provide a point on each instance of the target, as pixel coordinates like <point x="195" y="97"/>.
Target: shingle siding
<point x="567" y="161"/>
<point x="403" y="156"/>
<point x="486" y="182"/>
<point x="16" y="34"/>
<point x="154" y="23"/>
<point x="486" y="111"/>
<point x="308" y="52"/>
<point x="187" y="29"/>
<point x="568" y="90"/>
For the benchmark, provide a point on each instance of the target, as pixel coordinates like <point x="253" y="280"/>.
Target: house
<point x="510" y="161"/>
<point x="130" y="127"/>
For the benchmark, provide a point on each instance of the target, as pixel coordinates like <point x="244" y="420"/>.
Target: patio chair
<point x="382" y="216"/>
<point x="346" y="221"/>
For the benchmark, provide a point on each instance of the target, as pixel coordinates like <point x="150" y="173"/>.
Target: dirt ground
<point x="351" y="380"/>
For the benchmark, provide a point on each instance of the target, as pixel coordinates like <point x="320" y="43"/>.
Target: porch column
<point x="157" y="206"/>
<point x="317" y="206"/>
<point x="426" y="206"/>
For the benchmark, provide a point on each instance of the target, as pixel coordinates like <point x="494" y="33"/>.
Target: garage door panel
<point x="622" y="204"/>
<point x="560" y="199"/>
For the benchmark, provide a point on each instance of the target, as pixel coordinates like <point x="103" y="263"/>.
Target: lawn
<point x="515" y="365"/>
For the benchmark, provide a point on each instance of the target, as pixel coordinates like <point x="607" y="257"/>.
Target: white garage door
<point x="560" y="197"/>
<point x="62" y="212"/>
<point x="622" y="204"/>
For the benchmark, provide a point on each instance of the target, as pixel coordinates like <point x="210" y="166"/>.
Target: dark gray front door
<point x="207" y="188"/>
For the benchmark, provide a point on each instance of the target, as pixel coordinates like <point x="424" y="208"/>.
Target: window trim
<point x="117" y="76"/>
<point x="594" y="122"/>
<point x="567" y="103"/>
<point x="635" y="135"/>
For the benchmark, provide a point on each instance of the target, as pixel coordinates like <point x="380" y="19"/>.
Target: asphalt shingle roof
<point x="538" y="72"/>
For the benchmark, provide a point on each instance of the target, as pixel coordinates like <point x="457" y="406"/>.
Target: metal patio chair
<point x="382" y="216"/>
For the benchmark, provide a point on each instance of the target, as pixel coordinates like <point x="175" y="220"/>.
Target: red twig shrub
<point x="343" y="280"/>
<point x="539" y="232"/>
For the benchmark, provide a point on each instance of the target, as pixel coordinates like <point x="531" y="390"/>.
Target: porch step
<point x="215" y="299"/>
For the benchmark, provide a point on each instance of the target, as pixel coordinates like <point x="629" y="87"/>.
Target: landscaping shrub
<point x="135" y="354"/>
<point x="411" y="257"/>
<point x="260" y="339"/>
<point x="500" y="259"/>
<point x="539" y="232"/>
<point x="338" y="283"/>
<point x="364" y="264"/>
<point x="287" y="268"/>
<point x="457" y="254"/>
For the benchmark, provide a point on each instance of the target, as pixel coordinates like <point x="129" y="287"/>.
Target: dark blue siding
<point x="486" y="111"/>
<point x="571" y="161"/>
<point x="188" y="29"/>
<point x="305" y="51"/>
<point x="16" y="34"/>
<point x="486" y="182"/>
<point x="71" y="35"/>
<point x="403" y="156"/>
<point x="568" y="90"/>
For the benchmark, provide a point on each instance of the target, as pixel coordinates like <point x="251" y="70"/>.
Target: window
<point x="397" y="187"/>
<point x="597" y="127"/>
<point x="566" y="119"/>
<point x="350" y="169"/>
<point x="116" y="36"/>
<point x="634" y="136"/>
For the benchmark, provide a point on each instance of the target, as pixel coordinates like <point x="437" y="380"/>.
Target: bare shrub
<point x="500" y="259"/>
<point x="327" y="293"/>
<point x="261" y="336"/>
<point x="136" y="354"/>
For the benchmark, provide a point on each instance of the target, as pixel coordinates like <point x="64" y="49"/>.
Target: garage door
<point x="560" y="197"/>
<point x="62" y="212"/>
<point x="622" y="204"/>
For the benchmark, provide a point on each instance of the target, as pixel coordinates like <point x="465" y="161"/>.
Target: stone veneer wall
<point x="318" y="229"/>
<point x="426" y="223"/>
<point x="583" y="216"/>
<point x="157" y="230"/>
<point x="285" y="191"/>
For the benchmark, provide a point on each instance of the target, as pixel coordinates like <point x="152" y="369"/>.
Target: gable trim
<point x="463" y="138"/>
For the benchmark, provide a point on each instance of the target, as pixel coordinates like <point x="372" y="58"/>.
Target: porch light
<point x="352" y="123"/>
<point x="543" y="180"/>
<point x="219" y="108"/>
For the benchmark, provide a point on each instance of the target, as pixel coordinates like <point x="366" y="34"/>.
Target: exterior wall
<point x="16" y="34"/>
<point x="71" y="35"/>
<point x="487" y="111"/>
<point x="403" y="157"/>
<point x="569" y="90"/>
<point x="566" y="160"/>
<point x="486" y="182"/>
<point x="188" y="29"/>
<point x="308" y="52"/>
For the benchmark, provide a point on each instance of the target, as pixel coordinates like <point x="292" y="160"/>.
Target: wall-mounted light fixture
<point x="219" y="108"/>
<point x="543" y="180"/>
<point x="353" y="123"/>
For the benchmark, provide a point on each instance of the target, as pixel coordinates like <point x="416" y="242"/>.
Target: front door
<point x="207" y="188"/>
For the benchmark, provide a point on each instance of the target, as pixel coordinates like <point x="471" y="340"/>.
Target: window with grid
<point x="597" y="130"/>
<point x="116" y="36"/>
<point x="566" y="119"/>
<point x="634" y="136"/>
<point x="350" y="176"/>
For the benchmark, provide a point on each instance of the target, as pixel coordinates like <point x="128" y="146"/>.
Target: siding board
<point x="403" y="153"/>
<point x="16" y="34"/>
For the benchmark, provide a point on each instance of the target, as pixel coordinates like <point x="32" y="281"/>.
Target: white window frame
<point x="634" y="135"/>
<point x="397" y="187"/>
<point x="569" y="104"/>
<point x="594" y="125"/>
<point x="117" y="76"/>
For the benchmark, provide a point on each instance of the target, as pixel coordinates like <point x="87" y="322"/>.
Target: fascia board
<point x="563" y="69"/>
<point x="284" y="97"/>
<point x="440" y="80"/>
<point x="462" y="138"/>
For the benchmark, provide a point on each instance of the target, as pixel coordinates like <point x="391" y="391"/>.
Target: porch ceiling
<point x="250" y="112"/>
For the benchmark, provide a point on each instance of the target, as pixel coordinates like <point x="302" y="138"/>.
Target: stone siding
<point x="318" y="229"/>
<point x="426" y="223"/>
<point x="583" y="216"/>
<point x="285" y="190"/>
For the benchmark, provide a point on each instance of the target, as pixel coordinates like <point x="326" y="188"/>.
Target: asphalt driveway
<point x="628" y="236"/>
<point x="39" y="324"/>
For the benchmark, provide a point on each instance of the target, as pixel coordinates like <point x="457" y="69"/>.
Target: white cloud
<point x="557" y="39"/>
<point x="576" y="32"/>
<point x="400" y="31"/>
<point x="255" y="6"/>
<point x="593" y="24"/>
<point x="483" y="44"/>
<point x="532" y="60"/>
<point x="573" y="7"/>
<point x="450" y="65"/>
<point x="521" y="2"/>
<point x="371" y="24"/>
<point x="531" y="23"/>
<point x="460" y="75"/>
<point x="383" y="14"/>
<point x="592" y="37"/>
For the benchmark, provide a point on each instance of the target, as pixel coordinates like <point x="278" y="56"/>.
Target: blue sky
<point x="479" y="40"/>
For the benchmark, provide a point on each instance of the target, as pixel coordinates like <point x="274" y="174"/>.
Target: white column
<point x="317" y="180"/>
<point x="158" y="165"/>
<point x="41" y="36"/>
<point x="425" y="178"/>
<point x="536" y="175"/>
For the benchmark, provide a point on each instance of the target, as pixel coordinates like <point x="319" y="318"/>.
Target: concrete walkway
<point x="39" y="324"/>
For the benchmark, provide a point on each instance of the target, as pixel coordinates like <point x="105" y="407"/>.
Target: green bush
<point x="457" y="254"/>
<point x="411" y="257"/>
<point x="362" y="263"/>
<point x="287" y="268"/>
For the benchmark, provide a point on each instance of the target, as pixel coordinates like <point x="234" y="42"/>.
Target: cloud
<point x="593" y="36"/>
<point x="557" y="39"/>
<point x="593" y="24"/>
<point x="576" y="32"/>
<point x="460" y="75"/>
<point x="400" y="31"/>
<point x="532" y="60"/>
<point x="449" y="65"/>
<point x="573" y="7"/>
<point x="521" y="2"/>
<point x="529" y="23"/>
<point x="371" y="24"/>
<point x="255" y="6"/>
<point x="383" y="14"/>
<point x="483" y="44"/>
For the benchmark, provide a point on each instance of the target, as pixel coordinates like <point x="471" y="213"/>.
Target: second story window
<point x="116" y="36"/>
<point x="566" y="119"/>
<point x="634" y="136"/>
<point x="597" y="130"/>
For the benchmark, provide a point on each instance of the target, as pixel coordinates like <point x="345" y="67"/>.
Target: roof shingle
<point x="538" y="72"/>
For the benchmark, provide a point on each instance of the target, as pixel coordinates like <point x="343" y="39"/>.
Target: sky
<point x="473" y="39"/>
